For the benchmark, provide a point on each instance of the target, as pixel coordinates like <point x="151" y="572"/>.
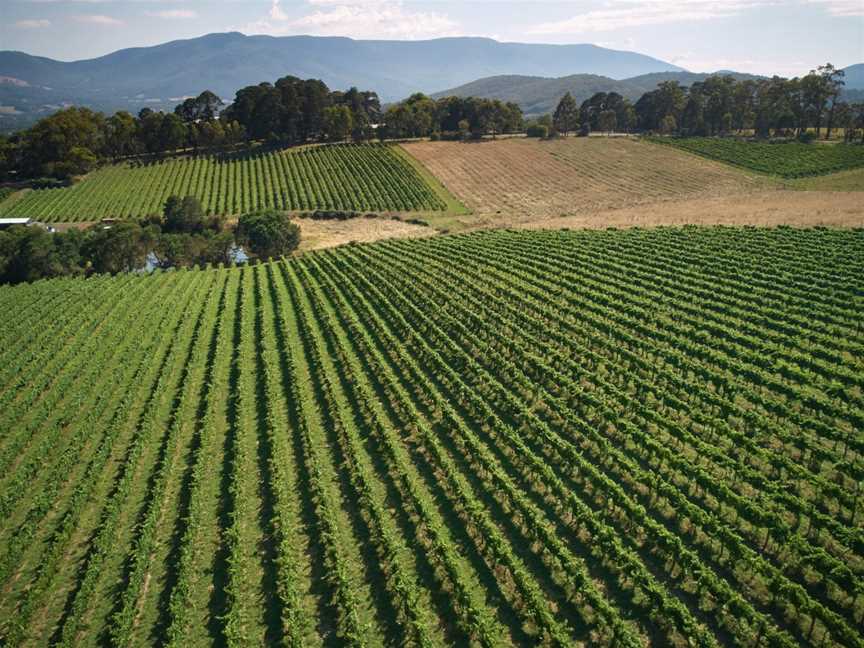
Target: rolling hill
<point x="135" y="77"/>
<point x="538" y="95"/>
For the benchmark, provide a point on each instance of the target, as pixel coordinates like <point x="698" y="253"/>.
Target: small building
<point x="6" y="223"/>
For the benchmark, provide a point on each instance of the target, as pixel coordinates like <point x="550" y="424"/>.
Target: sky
<point x="785" y="37"/>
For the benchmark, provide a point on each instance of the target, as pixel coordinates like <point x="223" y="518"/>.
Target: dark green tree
<point x="268" y="233"/>
<point x="186" y="214"/>
<point x="566" y="117"/>
<point x="203" y="107"/>
<point x="120" y="248"/>
<point x="337" y="123"/>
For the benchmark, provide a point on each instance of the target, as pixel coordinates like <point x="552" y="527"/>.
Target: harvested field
<point x="573" y="176"/>
<point x="319" y="234"/>
<point x="761" y="209"/>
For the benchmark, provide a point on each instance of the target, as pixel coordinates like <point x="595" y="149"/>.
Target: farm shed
<point x="9" y="222"/>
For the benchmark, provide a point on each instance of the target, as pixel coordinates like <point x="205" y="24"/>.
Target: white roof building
<point x="9" y="222"/>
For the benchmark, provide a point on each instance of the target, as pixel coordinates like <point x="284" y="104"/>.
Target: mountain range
<point x="533" y="75"/>
<point x="163" y="74"/>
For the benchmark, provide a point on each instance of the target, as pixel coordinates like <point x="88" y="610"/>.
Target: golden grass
<point x="521" y="180"/>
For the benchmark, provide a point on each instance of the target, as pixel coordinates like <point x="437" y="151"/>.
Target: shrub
<point x="268" y="233"/>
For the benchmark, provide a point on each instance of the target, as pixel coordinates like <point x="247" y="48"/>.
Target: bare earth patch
<point x="766" y="208"/>
<point x="317" y="234"/>
<point x="515" y="180"/>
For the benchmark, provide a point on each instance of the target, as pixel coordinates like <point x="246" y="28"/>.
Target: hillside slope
<point x="537" y="95"/>
<point x="513" y="436"/>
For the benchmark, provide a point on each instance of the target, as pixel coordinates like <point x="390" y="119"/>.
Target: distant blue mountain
<point x="854" y="77"/>
<point x="158" y="75"/>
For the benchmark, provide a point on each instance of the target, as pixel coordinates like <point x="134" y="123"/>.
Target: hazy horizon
<point x="757" y="36"/>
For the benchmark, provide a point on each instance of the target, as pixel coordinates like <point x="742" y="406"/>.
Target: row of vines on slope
<point x="598" y="438"/>
<point x="367" y="177"/>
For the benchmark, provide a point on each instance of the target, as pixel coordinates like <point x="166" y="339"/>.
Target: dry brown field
<point x="576" y="175"/>
<point x="760" y="209"/>
<point x="619" y="182"/>
<point x="317" y="234"/>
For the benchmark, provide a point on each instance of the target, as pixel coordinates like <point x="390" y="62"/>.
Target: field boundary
<point x="454" y="205"/>
<point x="676" y="143"/>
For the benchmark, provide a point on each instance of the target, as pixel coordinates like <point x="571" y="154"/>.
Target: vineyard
<point x="598" y="438"/>
<point x="344" y="177"/>
<point x="787" y="160"/>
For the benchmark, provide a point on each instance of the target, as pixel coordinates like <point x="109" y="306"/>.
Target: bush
<point x="48" y="183"/>
<point x="268" y="233"/>
<point x="537" y="130"/>
<point x="807" y="137"/>
<point x="187" y="215"/>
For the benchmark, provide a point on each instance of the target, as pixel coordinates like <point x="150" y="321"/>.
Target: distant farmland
<point x="347" y="177"/>
<point x="787" y="160"/>
<point x="629" y="438"/>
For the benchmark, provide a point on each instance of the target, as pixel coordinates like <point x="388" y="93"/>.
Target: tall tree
<point x="172" y="133"/>
<point x="120" y="136"/>
<point x="834" y="80"/>
<point x="607" y="121"/>
<point x="203" y="107"/>
<point x="566" y="117"/>
<point x="337" y="123"/>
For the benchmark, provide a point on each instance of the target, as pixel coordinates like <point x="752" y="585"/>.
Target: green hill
<point x="537" y="95"/>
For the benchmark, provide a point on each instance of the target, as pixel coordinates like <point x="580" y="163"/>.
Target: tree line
<point x="450" y="118"/>
<point x="73" y="141"/>
<point x="291" y="111"/>
<point x="719" y="105"/>
<point x="182" y="236"/>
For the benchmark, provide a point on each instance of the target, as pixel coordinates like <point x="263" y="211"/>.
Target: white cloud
<point x="841" y="7"/>
<point x="695" y="62"/>
<point x="620" y="14"/>
<point x="99" y="19"/>
<point x="172" y="13"/>
<point x="33" y="24"/>
<point x="276" y="12"/>
<point x="627" y="44"/>
<point x="356" y="18"/>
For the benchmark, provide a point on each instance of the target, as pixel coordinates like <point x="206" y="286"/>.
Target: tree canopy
<point x="721" y="104"/>
<point x="268" y="233"/>
<point x="566" y="117"/>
